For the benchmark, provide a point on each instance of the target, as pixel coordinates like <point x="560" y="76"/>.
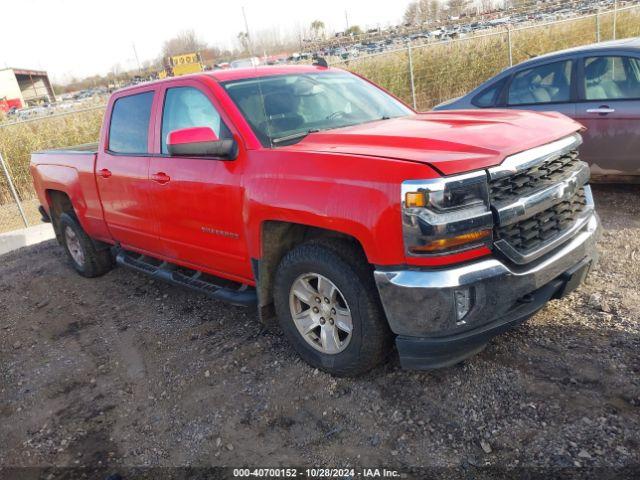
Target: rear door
<point x="198" y="201"/>
<point x="548" y="87"/>
<point x="609" y="107"/>
<point x="122" y="171"/>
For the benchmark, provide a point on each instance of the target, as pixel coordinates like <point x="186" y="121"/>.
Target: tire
<point x="342" y="354"/>
<point x="85" y="258"/>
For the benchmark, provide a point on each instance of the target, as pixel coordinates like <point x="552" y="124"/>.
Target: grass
<point x="17" y="141"/>
<point x="441" y="71"/>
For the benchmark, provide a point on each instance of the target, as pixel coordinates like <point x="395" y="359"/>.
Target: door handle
<point x="160" y="178"/>
<point x="105" y="173"/>
<point x="602" y="110"/>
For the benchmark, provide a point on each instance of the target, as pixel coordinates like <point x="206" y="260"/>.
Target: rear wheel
<point x="85" y="258"/>
<point x="328" y="308"/>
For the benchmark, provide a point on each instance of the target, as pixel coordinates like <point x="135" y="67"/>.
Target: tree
<point x="243" y="38"/>
<point x="317" y="27"/>
<point x="353" y="30"/>
<point x="421" y="11"/>
<point x="486" y="6"/>
<point x="186" y="41"/>
<point x="411" y="14"/>
<point x="458" y="7"/>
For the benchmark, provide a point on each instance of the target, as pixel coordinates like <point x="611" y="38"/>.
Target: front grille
<point x="533" y="232"/>
<point x="533" y="178"/>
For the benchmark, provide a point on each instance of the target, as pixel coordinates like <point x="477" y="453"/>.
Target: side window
<point x="186" y="107"/>
<point x="129" y="127"/>
<point x="489" y="96"/>
<point x="610" y="78"/>
<point x="550" y="83"/>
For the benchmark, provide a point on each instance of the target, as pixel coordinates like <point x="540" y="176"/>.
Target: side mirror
<point x="200" y="142"/>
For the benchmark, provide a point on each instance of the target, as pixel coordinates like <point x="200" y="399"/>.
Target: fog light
<point x="464" y="301"/>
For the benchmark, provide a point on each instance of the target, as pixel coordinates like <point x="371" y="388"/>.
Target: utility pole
<point x="346" y="19"/>
<point x="135" y="52"/>
<point x="246" y="31"/>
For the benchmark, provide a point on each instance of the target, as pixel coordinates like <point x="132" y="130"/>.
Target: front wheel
<point x="328" y="308"/>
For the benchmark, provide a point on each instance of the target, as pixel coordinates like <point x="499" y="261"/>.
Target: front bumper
<point x="420" y="305"/>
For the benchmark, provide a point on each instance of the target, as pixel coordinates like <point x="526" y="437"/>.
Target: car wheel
<point x="328" y="307"/>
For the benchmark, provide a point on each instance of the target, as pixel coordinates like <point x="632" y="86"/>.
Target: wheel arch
<point x="276" y="239"/>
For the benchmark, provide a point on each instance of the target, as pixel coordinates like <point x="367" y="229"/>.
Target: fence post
<point x="615" y="17"/>
<point x="13" y="190"/>
<point x="598" y="25"/>
<point x="413" y="85"/>
<point x="510" y="46"/>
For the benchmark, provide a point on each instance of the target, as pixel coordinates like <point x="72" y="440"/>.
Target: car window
<point x="488" y="97"/>
<point x="186" y="107"/>
<point x="129" y="127"/>
<point x="549" y="83"/>
<point x="610" y="78"/>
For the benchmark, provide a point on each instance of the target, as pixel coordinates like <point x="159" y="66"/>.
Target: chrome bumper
<point x="420" y="303"/>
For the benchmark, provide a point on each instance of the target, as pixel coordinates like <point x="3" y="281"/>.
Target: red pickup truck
<point x="326" y="203"/>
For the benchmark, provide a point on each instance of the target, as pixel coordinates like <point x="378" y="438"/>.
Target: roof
<point x="238" y="74"/>
<point x="264" y="71"/>
<point x="627" y="43"/>
<point x="26" y="71"/>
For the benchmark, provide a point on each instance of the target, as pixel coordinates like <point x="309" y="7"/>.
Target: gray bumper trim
<point x="421" y="302"/>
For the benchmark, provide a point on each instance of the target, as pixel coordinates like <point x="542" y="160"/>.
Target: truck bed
<point x="71" y="170"/>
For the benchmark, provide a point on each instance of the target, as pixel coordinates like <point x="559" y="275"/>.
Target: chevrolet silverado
<point x="325" y="203"/>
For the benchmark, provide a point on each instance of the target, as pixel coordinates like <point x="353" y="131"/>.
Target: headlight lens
<point x="446" y="215"/>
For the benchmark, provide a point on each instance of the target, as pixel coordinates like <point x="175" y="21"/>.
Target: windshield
<point x="283" y="109"/>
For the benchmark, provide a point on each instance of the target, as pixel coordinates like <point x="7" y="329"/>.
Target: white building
<point x="30" y="87"/>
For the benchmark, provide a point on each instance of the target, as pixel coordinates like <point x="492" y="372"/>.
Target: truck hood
<point x="450" y="141"/>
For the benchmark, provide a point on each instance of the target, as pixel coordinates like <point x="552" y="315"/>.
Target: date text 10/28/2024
<point x="315" y="473"/>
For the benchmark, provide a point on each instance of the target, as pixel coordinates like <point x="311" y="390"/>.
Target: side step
<point x="218" y="288"/>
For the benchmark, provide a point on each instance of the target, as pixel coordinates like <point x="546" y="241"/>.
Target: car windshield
<point x="283" y="109"/>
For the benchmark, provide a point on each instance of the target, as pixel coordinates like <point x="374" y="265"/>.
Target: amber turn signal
<point x="415" y="199"/>
<point x="447" y="243"/>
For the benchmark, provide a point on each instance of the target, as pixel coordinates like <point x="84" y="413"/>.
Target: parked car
<point x="245" y="62"/>
<point x="321" y="200"/>
<point x="597" y="85"/>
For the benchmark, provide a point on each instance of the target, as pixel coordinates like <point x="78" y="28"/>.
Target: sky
<point x="78" y="38"/>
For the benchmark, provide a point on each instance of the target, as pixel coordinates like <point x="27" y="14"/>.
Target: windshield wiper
<point x="294" y="136"/>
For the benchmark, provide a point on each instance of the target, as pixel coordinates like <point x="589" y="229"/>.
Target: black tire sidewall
<point x="318" y="260"/>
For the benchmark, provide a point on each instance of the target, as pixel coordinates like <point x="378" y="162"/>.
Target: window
<point x="186" y="107"/>
<point x="549" y="83"/>
<point x="129" y="128"/>
<point x="611" y="78"/>
<point x="281" y="109"/>
<point x="488" y="97"/>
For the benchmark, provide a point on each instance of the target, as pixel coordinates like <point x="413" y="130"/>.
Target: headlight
<point x="446" y="215"/>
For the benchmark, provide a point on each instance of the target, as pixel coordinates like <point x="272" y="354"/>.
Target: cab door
<point x="198" y="201"/>
<point x="609" y="107"/>
<point x="122" y="171"/>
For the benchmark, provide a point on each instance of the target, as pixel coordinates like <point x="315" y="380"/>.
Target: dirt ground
<point x="124" y="371"/>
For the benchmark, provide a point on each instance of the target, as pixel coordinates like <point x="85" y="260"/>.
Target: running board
<point x="243" y="295"/>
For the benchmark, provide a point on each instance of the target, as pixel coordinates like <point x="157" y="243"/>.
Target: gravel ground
<point x="123" y="371"/>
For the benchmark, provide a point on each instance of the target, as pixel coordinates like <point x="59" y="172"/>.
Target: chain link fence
<point x="18" y="202"/>
<point x="427" y="74"/>
<point x="421" y="75"/>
